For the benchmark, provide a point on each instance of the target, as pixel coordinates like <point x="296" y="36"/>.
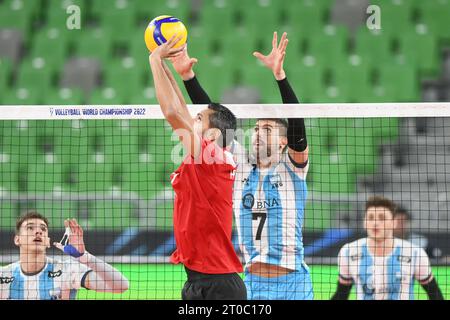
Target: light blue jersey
<point x="388" y="277"/>
<point x="57" y="281"/>
<point x="269" y="209"/>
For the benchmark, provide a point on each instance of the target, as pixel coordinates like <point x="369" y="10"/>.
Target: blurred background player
<point x="270" y="190"/>
<point x="383" y="267"/>
<point x="203" y="186"/>
<point x="402" y="229"/>
<point x="38" y="277"/>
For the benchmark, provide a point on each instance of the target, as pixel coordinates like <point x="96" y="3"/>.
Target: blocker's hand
<point x="75" y="243"/>
<point x="183" y="64"/>
<point x="275" y="59"/>
<point x="167" y="50"/>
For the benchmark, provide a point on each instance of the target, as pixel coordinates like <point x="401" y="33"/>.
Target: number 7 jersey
<point x="269" y="209"/>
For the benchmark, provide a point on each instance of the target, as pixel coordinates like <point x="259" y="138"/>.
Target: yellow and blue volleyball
<point x="161" y="29"/>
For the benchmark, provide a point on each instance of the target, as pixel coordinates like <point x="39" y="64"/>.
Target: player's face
<point x="379" y="223"/>
<point x="33" y="236"/>
<point x="401" y="226"/>
<point x="201" y="122"/>
<point x="266" y="139"/>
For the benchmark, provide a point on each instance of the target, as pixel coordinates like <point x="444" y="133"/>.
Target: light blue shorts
<point x="293" y="286"/>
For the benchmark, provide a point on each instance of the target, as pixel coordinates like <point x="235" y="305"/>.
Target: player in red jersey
<point x="203" y="187"/>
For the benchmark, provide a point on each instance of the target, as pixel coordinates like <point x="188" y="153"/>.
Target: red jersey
<point x="203" y="212"/>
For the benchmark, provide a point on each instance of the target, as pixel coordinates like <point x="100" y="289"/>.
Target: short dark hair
<point x="28" y="216"/>
<point x="401" y="211"/>
<point x="280" y="121"/>
<point x="224" y="120"/>
<point x="378" y="201"/>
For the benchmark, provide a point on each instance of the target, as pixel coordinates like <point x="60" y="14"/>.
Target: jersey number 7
<point x="263" y="216"/>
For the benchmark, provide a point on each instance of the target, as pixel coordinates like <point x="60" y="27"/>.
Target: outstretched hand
<point x="75" y="240"/>
<point x="275" y="59"/>
<point x="183" y="64"/>
<point x="167" y="50"/>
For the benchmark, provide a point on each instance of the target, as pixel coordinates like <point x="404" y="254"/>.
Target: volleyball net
<point x="109" y="167"/>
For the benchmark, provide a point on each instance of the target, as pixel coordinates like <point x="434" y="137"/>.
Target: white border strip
<point x="242" y="111"/>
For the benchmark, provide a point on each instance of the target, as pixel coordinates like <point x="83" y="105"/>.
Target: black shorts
<point x="201" y="286"/>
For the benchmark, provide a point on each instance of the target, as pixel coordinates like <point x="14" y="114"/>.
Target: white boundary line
<point x="242" y="111"/>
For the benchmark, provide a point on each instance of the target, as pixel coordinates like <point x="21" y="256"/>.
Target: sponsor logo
<point x="54" y="274"/>
<point x="368" y="289"/>
<point x="275" y="181"/>
<point x="248" y="201"/>
<point x="55" y="294"/>
<point x="356" y="257"/>
<point x="6" y="280"/>
<point x="404" y="259"/>
<point x="267" y="204"/>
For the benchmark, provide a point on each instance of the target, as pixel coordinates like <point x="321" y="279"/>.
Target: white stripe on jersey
<point x="289" y="222"/>
<point x="382" y="278"/>
<point x="32" y="286"/>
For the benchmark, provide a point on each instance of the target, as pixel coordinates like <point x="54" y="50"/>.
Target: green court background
<point x="164" y="282"/>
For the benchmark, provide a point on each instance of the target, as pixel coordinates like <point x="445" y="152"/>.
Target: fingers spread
<point x="284" y="45"/>
<point x="75" y="223"/>
<point x="178" y="39"/>
<point x="258" y="55"/>
<point x="283" y="38"/>
<point x="79" y="230"/>
<point x="171" y="40"/>
<point x="177" y="51"/>
<point x="76" y="228"/>
<point x="73" y="226"/>
<point x="174" y="40"/>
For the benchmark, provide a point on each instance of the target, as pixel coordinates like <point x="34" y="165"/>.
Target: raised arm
<point x="102" y="277"/>
<point x="177" y="90"/>
<point x="297" y="143"/>
<point x="184" y="65"/>
<point x="170" y="98"/>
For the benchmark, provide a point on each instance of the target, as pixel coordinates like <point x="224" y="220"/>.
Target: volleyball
<point x="161" y="29"/>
